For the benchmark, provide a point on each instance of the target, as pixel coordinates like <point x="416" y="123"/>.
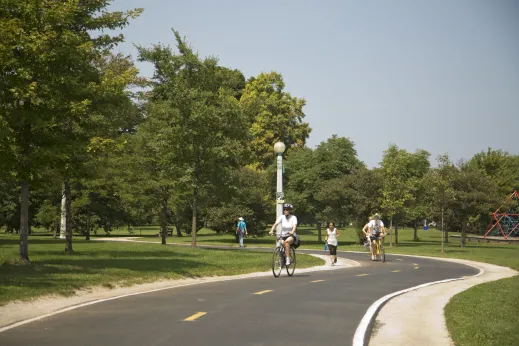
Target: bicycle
<point x="278" y="259"/>
<point x="379" y="248"/>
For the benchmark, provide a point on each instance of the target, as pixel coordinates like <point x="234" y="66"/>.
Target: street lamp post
<point x="279" y="148"/>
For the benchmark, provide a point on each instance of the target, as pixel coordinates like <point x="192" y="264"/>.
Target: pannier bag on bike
<point x="297" y="242"/>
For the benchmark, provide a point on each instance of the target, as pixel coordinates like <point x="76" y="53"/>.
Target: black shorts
<point x="372" y="238"/>
<point x="332" y="249"/>
<point x="288" y="236"/>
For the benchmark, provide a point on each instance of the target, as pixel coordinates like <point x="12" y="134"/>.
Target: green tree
<point x="474" y="196"/>
<point x="206" y="128"/>
<point x="500" y="166"/>
<point x="402" y="172"/>
<point x="248" y="195"/>
<point x="367" y="185"/>
<point x="48" y="75"/>
<point x="273" y="115"/>
<point x="440" y="192"/>
<point x="318" y="181"/>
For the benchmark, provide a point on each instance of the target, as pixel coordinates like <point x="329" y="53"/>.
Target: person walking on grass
<point x="241" y="230"/>
<point x="331" y="241"/>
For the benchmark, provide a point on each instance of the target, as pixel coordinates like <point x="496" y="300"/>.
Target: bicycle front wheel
<point x="276" y="262"/>
<point x="382" y="253"/>
<point x="292" y="267"/>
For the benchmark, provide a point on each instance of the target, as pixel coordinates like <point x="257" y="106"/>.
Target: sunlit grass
<point x="109" y="263"/>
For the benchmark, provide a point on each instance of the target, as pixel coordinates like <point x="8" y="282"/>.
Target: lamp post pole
<point x="279" y="148"/>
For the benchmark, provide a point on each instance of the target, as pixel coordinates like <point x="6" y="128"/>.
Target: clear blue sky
<point x="439" y="75"/>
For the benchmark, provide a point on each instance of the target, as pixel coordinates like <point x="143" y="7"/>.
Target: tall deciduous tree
<point x="500" y="166"/>
<point x="440" y="193"/>
<point x="48" y="75"/>
<point x="273" y="115"/>
<point x="319" y="183"/>
<point x="474" y="196"/>
<point x="206" y="129"/>
<point x="402" y="172"/>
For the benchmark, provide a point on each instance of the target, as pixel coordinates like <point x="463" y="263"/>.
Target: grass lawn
<point x="428" y="245"/>
<point x="106" y="264"/>
<point x="486" y="314"/>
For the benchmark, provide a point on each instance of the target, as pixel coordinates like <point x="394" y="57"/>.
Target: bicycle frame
<point x="280" y="249"/>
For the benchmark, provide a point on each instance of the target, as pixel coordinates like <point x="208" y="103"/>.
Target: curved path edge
<point x="18" y="313"/>
<point x="415" y="315"/>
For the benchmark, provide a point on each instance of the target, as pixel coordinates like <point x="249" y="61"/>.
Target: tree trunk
<point x="179" y="230"/>
<point x="443" y="232"/>
<point x="24" y="224"/>
<point x="68" y="217"/>
<point x="164" y="218"/>
<point x="391" y="232"/>
<point x="63" y="225"/>
<point x="56" y="229"/>
<point x="193" y="225"/>
<point x="195" y="201"/>
<point x="88" y="224"/>
<point x="396" y="233"/>
<point x="463" y="232"/>
<point x="415" y="235"/>
<point x="319" y="234"/>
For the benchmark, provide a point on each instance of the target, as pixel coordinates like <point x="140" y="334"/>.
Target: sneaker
<point x="288" y="262"/>
<point x="335" y="260"/>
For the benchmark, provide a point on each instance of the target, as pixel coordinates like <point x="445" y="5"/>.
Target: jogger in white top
<point x="331" y="239"/>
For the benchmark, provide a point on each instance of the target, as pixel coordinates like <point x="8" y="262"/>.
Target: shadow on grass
<point x="80" y="272"/>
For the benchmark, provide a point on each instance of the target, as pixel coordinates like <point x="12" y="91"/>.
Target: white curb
<point x="361" y="337"/>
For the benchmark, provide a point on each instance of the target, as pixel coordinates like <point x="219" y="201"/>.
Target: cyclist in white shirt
<point x="376" y="230"/>
<point x="288" y="228"/>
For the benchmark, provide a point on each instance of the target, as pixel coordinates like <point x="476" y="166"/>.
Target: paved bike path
<point x="307" y="309"/>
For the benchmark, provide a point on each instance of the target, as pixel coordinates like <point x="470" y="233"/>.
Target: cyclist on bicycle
<point x="376" y="230"/>
<point x="288" y="228"/>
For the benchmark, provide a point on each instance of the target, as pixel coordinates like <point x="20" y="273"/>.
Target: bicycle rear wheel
<point x="382" y="253"/>
<point x="292" y="267"/>
<point x="276" y="262"/>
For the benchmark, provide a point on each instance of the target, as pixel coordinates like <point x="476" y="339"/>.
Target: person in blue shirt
<point x="241" y="230"/>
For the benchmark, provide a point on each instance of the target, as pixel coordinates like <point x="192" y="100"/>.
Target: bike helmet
<point x="376" y="216"/>
<point x="287" y="206"/>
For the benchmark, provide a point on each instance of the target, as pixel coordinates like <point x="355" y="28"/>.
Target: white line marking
<point x="359" y="339"/>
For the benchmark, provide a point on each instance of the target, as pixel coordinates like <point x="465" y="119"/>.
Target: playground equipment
<point x="505" y="221"/>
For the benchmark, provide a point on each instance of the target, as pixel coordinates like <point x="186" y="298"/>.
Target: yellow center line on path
<point x="317" y="281"/>
<point x="263" y="292"/>
<point x="416" y="268"/>
<point x="415" y="264"/>
<point x="363" y="275"/>
<point x="395" y="271"/>
<point x="195" y="316"/>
